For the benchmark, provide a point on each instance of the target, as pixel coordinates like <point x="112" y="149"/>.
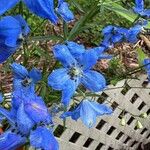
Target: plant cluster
<point x="28" y="120"/>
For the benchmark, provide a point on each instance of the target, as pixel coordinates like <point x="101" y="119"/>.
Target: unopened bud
<point x="143" y="115"/>
<point x="6" y="106"/>
<point x="123" y="121"/>
<point x="139" y="125"/>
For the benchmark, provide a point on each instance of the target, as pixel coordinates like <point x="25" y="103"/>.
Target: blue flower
<point x="44" y="139"/>
<point x="64" y="11"/>
<point x="112" y="35"/>
<point x="77" y="63"/>
<point x="10" y="140"/>
<point x="28" y="117"/>
<point x="27" y="110"/>
<point x="24" y="80"/>
<point x="146" y="64"/>
<point x="139" y="8"/>
<point x="88" y="111"/>
<point x="134" y="31"/>
<point x="12" y="30"/>
<point x="42" y="8"/>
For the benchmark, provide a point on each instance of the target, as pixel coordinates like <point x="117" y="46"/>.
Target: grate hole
<point x="75" y="137"/>
<point x="100" y="145"/>
<point x="100" y="124"/>
<point x="145" y="83"/>
<point x="119" y="135"/>
<point x="88" y="142"/>
<point x="143" y="131"/>
<point x="114" y="105"/>
<point x="135" y="128"/>
<point x="141" y="106"/>
<point x="130" y="120"/>
<point x="109" y="132"/>
<point x="59" y="130"/>
<point x="102" y="98"/>
<point x="127" y="140"/>
<point x="148" y="112"/>
<point x="134" y="143"/>
<point x="110" y="148"/>
<point x="148" y="136"/>
<point x="123" y="113"/>
<point x="125" y="89"/>
<point x="134" y="98"/>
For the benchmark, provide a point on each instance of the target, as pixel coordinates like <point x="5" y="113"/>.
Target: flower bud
<point x="123" y="121"/>
<point x="143" y="115"/>
<point x="139" y="125"/>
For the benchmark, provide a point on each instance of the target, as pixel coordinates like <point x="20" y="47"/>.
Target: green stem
<point x="21" y="7"/>
<point x="65" y="30"/>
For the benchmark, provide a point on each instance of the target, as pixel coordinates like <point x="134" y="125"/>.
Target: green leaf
<point x="78" y="6"/>
<point x="141" y="56"/>
<point x="128" y="14"/>
<point x="78" y="27"/>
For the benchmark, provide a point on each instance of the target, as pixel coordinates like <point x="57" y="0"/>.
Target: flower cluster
<point x="28" y="117"/>
<point x="29" y="120"/>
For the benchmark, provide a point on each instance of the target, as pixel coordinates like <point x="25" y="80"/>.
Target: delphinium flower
<point x="134" y="31"/>
<point x="29" y="118"/>
<point x="146" y="64"/>
<point x="12" y="31"/>
<point x="42" y="8"/>
<point x="77" y="69"/>
<point x="24" y="80"/>
<point x="112" y="35"/>
<point x="88" y="110"/>
<point x="139" y="8"/>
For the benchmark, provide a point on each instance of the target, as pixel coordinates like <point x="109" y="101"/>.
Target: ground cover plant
<point x="56" y="55"/>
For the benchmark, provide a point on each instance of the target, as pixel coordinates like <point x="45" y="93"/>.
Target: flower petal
<point x="23" y="24"/>
<point x="10" y="30"/>
<point x="62" y="53"/>
<point x="19" y="71"/>
<point x="44" y="139"/>
<point x="69" y="89"/>
<point x="107" y="30"/>
<point x="75" y="49"/>
<point x="58" y="78"/>
<point x="43" y="8"/>
<point x="117" y="38"/>
<point x="139" y="6"/>
<point x="93" y="81"/>
<point x="1" y="98"/>
<point x="11" y="141"/>
<point x="6" y="5"/>
<point x="74" y="114"/>
<point x="35" y="74"/>
<point x="146" y="63"/>
<point x="24" y="123"/>
<point x="64" y="11"/>
<point x="100" y="109"/>
<point x="7" y="114"/>
<point x="88" y="116"/>
<point x="6" y="52"/>
<point x="146" y="13"/>
<point x="105" y="56"/>
<point x="37" y="110"/>
<point x="133" y="33"/>
<point x="89" y="59"/>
